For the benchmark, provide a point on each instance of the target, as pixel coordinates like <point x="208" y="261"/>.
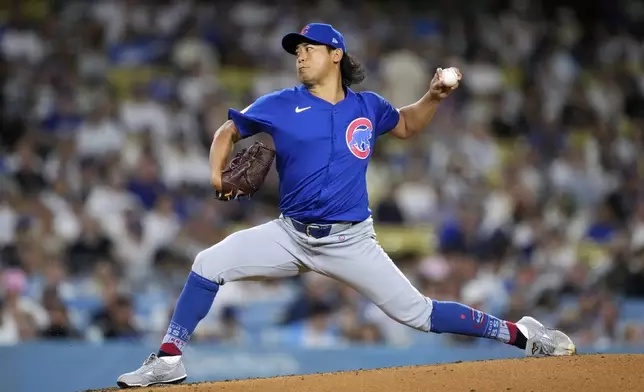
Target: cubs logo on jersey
<point x="359" y="134"/>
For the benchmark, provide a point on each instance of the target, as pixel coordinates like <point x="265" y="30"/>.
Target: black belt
<point x="317" y="230"/>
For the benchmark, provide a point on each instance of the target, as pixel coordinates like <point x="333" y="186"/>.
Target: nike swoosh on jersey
<point x="298" y="110"/>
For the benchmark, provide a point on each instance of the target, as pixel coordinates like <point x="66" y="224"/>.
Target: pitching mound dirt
<point x="587" y="373"/>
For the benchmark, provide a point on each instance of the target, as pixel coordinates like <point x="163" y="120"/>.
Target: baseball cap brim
<point x="291" y="40"/>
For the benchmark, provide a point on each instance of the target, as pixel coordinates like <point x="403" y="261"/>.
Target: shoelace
<point x="146" y="364"/>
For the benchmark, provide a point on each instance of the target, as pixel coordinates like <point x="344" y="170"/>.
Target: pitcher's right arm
<point x="255" y="118"/>
<point x="222" y="146"/>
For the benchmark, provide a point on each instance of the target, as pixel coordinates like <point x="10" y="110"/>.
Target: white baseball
<point x="449" y="77"/>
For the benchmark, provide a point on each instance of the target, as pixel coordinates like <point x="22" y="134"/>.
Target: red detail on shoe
<point x="512" y="328"/>
<point x="170" y="348"/>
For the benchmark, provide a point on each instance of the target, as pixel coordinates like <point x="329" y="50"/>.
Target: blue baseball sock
<point x="193" y="305"/>
<point x="456" y="318"/>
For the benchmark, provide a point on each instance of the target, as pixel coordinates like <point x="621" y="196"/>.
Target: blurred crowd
<point x="531" y="173"/>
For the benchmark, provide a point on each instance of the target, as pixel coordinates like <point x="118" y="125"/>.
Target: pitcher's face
<point x="314" y="62"/>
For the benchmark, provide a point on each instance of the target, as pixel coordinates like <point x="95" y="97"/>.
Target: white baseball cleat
<point x="544" y="342"/>
<point x="155" y="370"/>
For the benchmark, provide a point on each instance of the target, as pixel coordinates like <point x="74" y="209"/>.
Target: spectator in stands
<point x="627" y="274"/>
<point x="116" y="321"/>
<point x="388" y="210"/>
<point x="59" y="326"/>
<point x="230" y="330"/>
<point x="21" y="317"/>
<point x="90" y="247"/>
<point x="317" y="290"/>
<point x="99" y="136"/>
<point x="316" y="331"/>
<point x="146" y="183"/>
<point x="370" y="334"/>
<point x="27" y="169"/>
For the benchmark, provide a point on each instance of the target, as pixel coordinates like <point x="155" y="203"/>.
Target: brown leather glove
<point x="246" y="172"/>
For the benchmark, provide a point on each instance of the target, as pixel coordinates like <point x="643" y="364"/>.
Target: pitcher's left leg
<point x="361" y="263"/>
<point x="356" y="259"/>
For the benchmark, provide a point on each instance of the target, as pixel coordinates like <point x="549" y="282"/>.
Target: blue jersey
<point x="322" y="149"/>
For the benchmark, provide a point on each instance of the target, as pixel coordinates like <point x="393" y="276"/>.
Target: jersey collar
<point x="348" y="95"/>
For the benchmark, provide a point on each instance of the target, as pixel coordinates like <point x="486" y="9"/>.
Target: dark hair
<point x="351" y="70"/>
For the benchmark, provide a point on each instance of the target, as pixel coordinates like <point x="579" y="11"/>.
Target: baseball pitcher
<point x="324" y="134"/>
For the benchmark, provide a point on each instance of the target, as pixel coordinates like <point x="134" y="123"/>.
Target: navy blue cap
<point x="316" y="33"/>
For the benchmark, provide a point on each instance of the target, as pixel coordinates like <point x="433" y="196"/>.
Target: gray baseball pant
<point x="353" y="256"/>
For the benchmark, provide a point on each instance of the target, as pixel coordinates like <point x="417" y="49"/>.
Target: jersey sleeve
<point x="255" y="118"/>
<point x="387" y="116"/>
